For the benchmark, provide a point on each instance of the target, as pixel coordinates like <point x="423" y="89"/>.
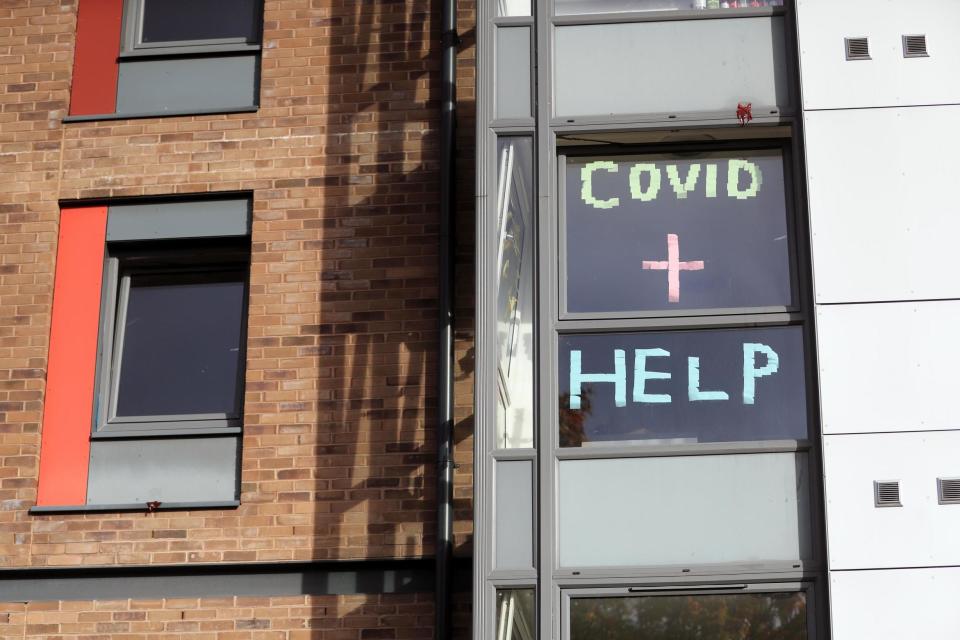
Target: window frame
<point x="663" y="15"/>
<point x="132" y="40"/>
<point x="124" y="260"/>
<point x="799" y="314"/>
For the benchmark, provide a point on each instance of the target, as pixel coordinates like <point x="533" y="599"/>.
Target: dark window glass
<point x="753" y="616"/>
<point x="671" y="231"/>
<point x="682" y="387"/>
<point x="181" y="345"/>
<point x="178" y="20"/>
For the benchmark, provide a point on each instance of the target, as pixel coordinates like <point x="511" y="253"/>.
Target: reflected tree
<point x="767" y="616"/>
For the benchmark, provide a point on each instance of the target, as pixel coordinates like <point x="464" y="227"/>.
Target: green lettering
<point x="733" y="179"/>
<point x="688" y="185"/>
<point x="586" y="189"/>
<point x="636" y="190"/>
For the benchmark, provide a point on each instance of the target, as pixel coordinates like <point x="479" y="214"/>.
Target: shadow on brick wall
<point x="376" y="339"/>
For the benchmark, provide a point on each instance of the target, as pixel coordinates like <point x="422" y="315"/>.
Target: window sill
<point x="667" y="16"/>
<point x="161" y="114"/>
<point x="133" y="506"/>
<point x="191" y="51"/>
<point x="160" y="432"/>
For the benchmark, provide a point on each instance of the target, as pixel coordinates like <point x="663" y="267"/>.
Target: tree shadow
<point x="371" y="418"/>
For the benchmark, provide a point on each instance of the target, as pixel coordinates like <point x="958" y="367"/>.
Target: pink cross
<point x="673" y="267"/>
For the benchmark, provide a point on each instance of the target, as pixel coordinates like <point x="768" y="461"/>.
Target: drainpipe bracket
<point x="450" y="39"/>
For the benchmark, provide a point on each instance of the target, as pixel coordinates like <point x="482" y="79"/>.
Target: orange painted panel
<point x="95" y="65"/>
<point x="72" y="363"/>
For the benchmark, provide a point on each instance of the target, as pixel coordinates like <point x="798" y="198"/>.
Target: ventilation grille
<point x="915" y="47"/>
<point x="886" y="493"/>
<point x="857" y="48"/>
<point x="948" y="490"/>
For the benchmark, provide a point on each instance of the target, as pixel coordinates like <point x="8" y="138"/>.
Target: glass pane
<point x="516" y="615"/>
<point x="515" y="293"/>
<point x="177" y="20"/>
<point x="742" y="616"/>
<point x="513" y="73"/>
<point x="182" y="345"/>
<point x="579" y="7"/>
<point x="677" y="231"/>
<point x="513" y="8"/>
<point x="682" y="387"/>
<point x="654" y="510"/>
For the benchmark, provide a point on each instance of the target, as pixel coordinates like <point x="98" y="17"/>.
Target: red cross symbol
<point x="673" y="266"/>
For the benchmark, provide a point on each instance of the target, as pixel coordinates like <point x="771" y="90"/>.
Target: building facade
<point x="268" y="303"/>
<point x="656" y="344"/>
<point x="700" y="235"/>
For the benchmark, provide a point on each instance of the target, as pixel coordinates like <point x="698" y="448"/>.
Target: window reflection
<point x="754" y="616"/>
<point x="515" y="293"/>
<point x="516" y="614"/>
<point x="507" y="8"/>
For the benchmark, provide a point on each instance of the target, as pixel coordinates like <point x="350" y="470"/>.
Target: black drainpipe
<point x="448" y="102"/>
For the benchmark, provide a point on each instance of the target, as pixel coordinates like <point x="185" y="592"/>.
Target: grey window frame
<point x="553" y="260"/>
<point x="612" y="133"/>
<point x="114" y="296"/>
<point x="132" y="42"/>
<point x="733" y="586"/>
<point x="666" y="15"/>
<point x="692" y="319"/>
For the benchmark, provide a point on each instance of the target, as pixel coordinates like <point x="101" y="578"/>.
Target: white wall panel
<point x="906" y="604"/>
<point x="889" y="367"/>
<point x="921" y="532"/>
<point x="889" y="79"/>
<point x="884" y="212"/>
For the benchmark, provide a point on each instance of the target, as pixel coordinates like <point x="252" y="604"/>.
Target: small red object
<point x="153" y="505"/>
<point x="744" y="113"/>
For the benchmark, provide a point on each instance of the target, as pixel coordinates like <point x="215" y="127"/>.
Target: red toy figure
<point x="744" y="113"/>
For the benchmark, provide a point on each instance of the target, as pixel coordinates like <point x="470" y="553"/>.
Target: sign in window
<point x="682" y="387"/>
<point x="668" y="232"/>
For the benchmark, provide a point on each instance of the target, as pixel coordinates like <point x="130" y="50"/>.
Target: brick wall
<point x="338" y="446"/>
<point x="361" y="617"/>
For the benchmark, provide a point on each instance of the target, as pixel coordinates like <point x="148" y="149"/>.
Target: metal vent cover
<point x="886" y="493"/>
<point x="857" y="48"/>
<point x="915" y="46"/>
<point x="948" y="490"/>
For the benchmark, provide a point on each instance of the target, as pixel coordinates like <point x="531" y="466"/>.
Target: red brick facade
<point x="361" y="617"/>
<point x="338" y="449"/>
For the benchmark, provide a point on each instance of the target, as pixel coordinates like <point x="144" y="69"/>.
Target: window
<point x="173" y="337"/>
<point x="690" y="238"/>
<point x="681" y="374"/>
<point x="516" y="614"/>
<point x="515" y="293"/>
<point x="682" y="387"/>
<point x="147" y="353"/>
<point x="180" y="23"/>
<point x="677" y="231"/>
<point x="760" y="613"/>
<point x="166" y="57"/>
